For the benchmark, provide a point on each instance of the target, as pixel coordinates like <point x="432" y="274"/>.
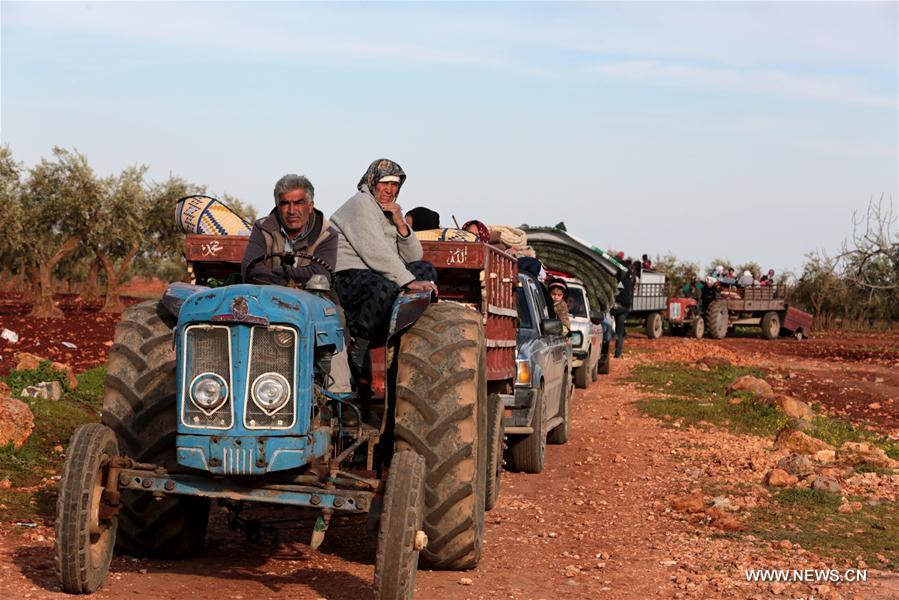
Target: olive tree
<point x="59" y="202"/>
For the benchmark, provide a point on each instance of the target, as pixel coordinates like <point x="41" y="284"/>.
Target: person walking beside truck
<point x="623" y="303"/>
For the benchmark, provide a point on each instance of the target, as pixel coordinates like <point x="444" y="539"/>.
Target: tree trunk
<point x="114" y="303"/>
<point x="90" y="291"/>
<point x="43" y="305"/>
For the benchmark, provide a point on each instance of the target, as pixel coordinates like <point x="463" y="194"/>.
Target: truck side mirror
<point x="595" y="317"/>
<point x="551" y="326"/>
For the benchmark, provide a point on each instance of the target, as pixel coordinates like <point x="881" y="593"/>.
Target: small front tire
<point x="528" y="453"/>
<point x="770" y="325"/>
<point x="401" y="521"/>
<point x="85" y="524"/>
<point x="497" y="434"/>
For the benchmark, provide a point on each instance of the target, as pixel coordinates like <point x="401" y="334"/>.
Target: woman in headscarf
<point x="479" y="229"/>
<point x="377" y="257"/>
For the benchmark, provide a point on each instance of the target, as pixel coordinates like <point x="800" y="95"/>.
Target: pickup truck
<point x="538" y="412"/>
<point x="586" y="336"/>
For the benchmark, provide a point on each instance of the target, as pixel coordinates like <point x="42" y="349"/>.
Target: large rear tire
<point x="397" y="559"/>
<point x="770" y="325"/>
<point x="654" y="328"/>
<point x="527" y="453"/>
<point x="496" y="433"/>
<point x="85" y="532"/>
<point x="716" y="319"/>
<point x="139" y="406"/>
<point x="441" y="413"/>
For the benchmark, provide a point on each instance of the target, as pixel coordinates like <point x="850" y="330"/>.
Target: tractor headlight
<point x="208" y="391"/>
<point x="271" y="391"/>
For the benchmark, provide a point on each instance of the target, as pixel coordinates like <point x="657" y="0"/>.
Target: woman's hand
<point x="422" y="286"/>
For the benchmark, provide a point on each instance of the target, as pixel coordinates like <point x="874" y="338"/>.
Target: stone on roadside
<point x="49" y="390"/>
<point x="25" y="361"/>
<point x="780" y="478"/>
<point x="794" y="408"/>
<point x="855" y="453"/>
<point x="16" y="421"/>
<point x="790" y="438"/>
<point x="466" y="581"/>
<point x="691" y="503"/>
<point x="825" y="456"/>
<point x="826" y="484"/>
<point x="723" y="521"/>
<point x="747" y="383"/>
<point x="796" y="464"/>
<point x="4" y="389"/>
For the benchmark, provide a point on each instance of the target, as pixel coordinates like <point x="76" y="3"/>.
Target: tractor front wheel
<point x="697" y="328"/>
<point x="400" y="537"/>
<point x="85" y="524"/>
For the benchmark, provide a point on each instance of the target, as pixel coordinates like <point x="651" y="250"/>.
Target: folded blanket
<point x="208" y="216"/>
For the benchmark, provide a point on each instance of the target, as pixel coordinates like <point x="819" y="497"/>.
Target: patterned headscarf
<point x="483" y="232"/>
<point x="380" y="168"/>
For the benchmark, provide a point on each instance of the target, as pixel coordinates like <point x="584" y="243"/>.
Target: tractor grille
<point x="207" y="350"/>
<point x="237" y="461"/>
<point x="272" y="350"/>
<point x="674" y="311"/>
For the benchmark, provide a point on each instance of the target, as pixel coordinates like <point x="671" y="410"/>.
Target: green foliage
<point x="19" y="380"/>
<point x="836" y="432"/>
<point x="811" y="519"/>
<point x="746" y="417"/>
<point x="679" y="272"/>
<point x="680" y="380"/>
<point x="54" y="423"/>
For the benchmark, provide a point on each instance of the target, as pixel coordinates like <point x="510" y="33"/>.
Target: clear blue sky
<point x="745" y="130"/>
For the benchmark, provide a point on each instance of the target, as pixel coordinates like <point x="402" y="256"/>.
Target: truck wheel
<point x="717" y="319"/>
<point x="527" y="453"/>
<point x="581" y="377"/>
<point x="559" y="434"/>
<point x="139" y="406"/>
<point x="697" y="328"/>
<point x="441" y="413"/>
<point x="85" y="533"/>
<point x="770" y="325"/>
<point x="496" y="433"/>
<point x="399" y="540"/>
<point x="654" y="326"/>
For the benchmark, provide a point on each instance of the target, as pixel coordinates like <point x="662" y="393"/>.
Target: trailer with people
<point x="721" y="308"/>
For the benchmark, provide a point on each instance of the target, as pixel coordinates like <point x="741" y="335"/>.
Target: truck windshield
<point x="524" y="315"/>
<point x="576" y="305"/>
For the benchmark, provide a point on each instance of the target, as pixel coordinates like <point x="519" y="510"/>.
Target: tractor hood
<point x="560" y="251"/>
<point x="256" y="305"/>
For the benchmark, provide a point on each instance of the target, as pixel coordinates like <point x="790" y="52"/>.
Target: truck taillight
<point x="523" y="372"/>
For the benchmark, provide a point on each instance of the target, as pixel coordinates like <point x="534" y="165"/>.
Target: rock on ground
<point x="758" y="387"/>
<point x="16" y="421"/>
<point x="801" y="443"/>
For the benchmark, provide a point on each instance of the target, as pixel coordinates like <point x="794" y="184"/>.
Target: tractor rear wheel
<point x="139" y="406"/>
<point x="441" y="413"/>
<point x="496" y="433"/>
<point x="717" y="319"/>
<point x="85" y="532"/>
<point x="398" y="537"/>
<point x="654" y="327"/>
<point x="697" y="328"/>
<point x="770" y="325"/>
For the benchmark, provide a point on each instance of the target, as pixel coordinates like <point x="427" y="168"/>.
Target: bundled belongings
<point x="207" y="216"/>
<point x="447" y="234"/>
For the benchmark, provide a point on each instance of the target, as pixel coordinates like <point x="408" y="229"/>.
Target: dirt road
<point x="597" y="523"/>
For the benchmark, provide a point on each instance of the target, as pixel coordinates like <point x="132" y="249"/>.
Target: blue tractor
<point x="220" y="393"/>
